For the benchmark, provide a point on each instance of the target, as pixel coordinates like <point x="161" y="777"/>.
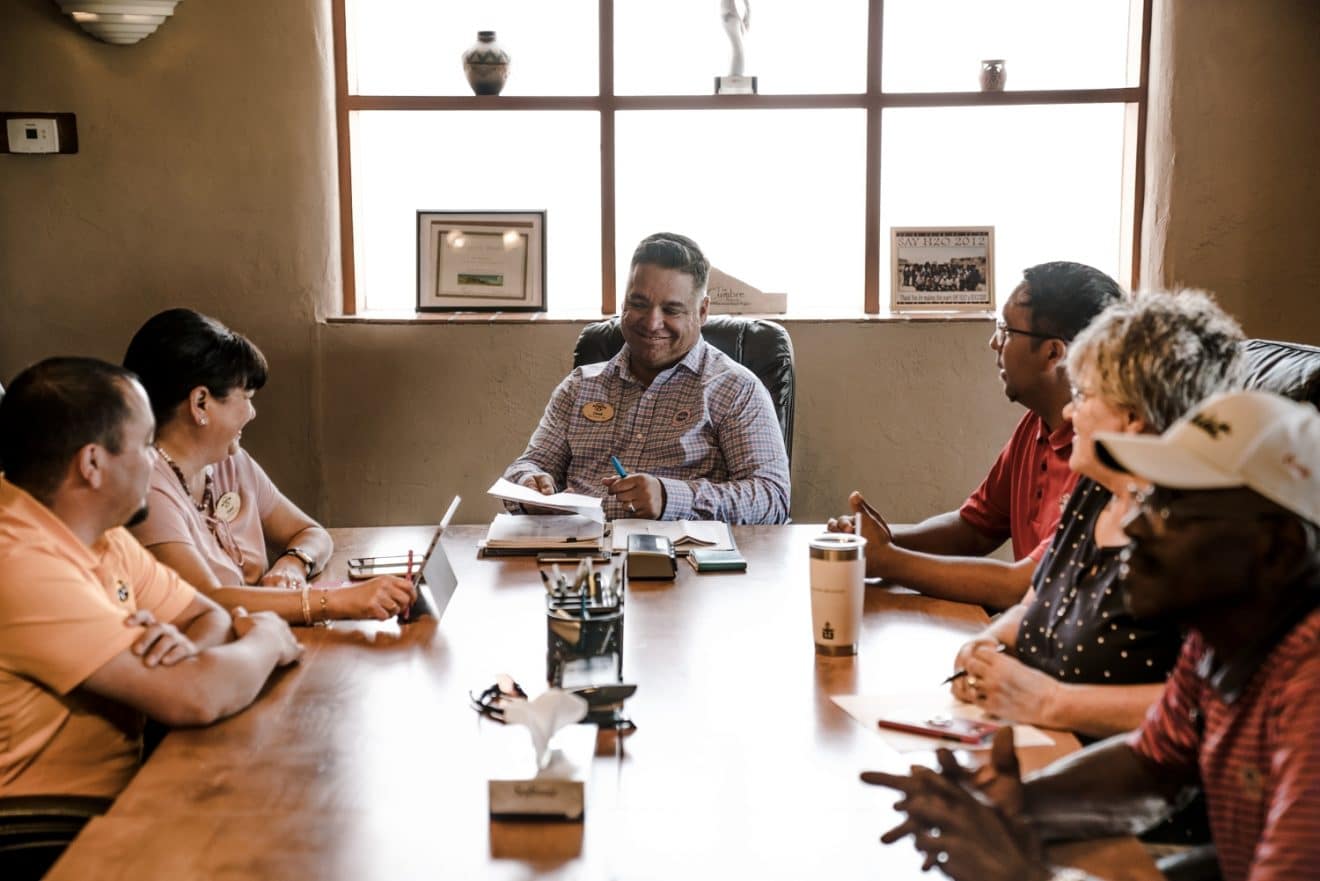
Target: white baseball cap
<point x="1259" y="440"/>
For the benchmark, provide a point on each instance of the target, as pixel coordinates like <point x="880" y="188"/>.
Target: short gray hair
<point x="1159" y="354"/>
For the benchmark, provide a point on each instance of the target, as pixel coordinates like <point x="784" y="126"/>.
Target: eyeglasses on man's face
<point x="1002" y="330"/>
<point x="1079" y="395"/>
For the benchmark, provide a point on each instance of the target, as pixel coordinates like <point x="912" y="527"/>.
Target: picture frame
<point x="942" y="269"/>
<point x="481" y="261"/>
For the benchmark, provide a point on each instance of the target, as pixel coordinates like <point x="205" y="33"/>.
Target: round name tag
<point x="598" y="411"/>
<point x="227" y="507"/>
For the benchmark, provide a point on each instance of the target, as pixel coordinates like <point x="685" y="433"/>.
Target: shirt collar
<point x="1060" y="438"/>
<point x="693" y="362"/>
<point x="20" y="505"/>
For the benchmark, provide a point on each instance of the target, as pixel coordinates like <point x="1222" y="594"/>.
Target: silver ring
<point x="632" y="509"/>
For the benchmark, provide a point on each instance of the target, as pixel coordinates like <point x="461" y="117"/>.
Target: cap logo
<point x="1206" y="423"/>
<point x="1297" y="468"/>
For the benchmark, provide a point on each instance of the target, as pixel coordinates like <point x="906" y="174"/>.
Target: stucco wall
<point x="1233" y="189"/>
<point x="206" y="177"/>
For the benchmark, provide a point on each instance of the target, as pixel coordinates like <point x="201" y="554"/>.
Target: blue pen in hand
<point x="618" y="466"/>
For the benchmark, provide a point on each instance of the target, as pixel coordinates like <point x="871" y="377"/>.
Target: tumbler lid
<point x="841" y="546"/>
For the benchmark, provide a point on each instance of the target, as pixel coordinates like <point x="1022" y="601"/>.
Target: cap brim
<point x="1155" y="459"/>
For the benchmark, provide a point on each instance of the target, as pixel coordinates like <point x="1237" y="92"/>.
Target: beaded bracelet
<point x="306" y="606"/>
<point x="325" y="606"/>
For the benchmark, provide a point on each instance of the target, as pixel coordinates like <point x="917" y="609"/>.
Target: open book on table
<point x="529" y="533"/>
<point x="685" y="534"/>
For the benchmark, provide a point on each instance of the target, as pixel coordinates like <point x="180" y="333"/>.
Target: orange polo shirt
<point x="62" y="611"/>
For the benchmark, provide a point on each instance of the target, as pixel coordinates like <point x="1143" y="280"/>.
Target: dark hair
<point x="673" y="251"/>
<point x="1064" y="297"/>
<point x="54" y="409"/>
<point x="179" y="349"/>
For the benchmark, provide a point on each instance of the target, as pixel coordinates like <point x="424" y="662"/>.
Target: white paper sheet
<point x="868" y="709"/>
<point x="587" y="506"/>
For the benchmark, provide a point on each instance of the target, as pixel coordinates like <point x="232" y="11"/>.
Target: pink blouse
<point x="236" y="551"/>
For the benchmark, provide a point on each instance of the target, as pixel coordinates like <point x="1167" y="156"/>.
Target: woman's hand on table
<point x="379" y="598"/>
<point x="287" y="572"/>
<point x="1008" y="688"/>
<point x="960" y="687"/>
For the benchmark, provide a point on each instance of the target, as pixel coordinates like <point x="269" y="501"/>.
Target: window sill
<point x="480" y="318"/>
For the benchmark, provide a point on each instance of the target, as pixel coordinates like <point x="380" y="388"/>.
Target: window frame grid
<point x="874" y="101"/>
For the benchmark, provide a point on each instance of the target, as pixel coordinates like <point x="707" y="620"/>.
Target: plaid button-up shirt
<point x="705" y="428"/>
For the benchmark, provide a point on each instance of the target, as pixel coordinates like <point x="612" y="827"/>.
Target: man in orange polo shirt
<point x="94" y="633"/>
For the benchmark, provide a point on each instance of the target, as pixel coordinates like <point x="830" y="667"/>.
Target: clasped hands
<point x="641" y="495"/>
<point x="970" y="823"/>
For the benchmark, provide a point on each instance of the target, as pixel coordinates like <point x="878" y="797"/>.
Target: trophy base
<point x="735" y="85"/>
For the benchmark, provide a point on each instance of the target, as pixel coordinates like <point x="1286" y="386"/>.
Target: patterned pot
<point x="994" y="74"/>
<point x="486" y="65"/>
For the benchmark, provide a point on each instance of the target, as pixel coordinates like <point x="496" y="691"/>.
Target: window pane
<point x="774" y="197"/>
<point x="938" y="45"/>
<point x="415" y="47"/>
<point x="475" y="161"/>
<point x="680" y="46"/>
<point x="1048" y="178"/>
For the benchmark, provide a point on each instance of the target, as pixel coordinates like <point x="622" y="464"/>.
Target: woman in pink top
<point x="212" y="509"/>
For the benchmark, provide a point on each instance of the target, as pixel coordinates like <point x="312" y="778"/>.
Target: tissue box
<point x="517" y="790"/>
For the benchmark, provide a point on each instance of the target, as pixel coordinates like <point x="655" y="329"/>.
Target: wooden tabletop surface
<point x="365" y="760"/>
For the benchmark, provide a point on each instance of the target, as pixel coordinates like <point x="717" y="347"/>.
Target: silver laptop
<point x="435" y="581"/>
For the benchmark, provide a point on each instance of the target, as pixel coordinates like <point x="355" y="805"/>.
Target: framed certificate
<point x="942" y="268"/>
<point x="489" y="261"/>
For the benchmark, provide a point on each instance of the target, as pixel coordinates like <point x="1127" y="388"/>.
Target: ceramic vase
<point x="486" y="65"/>
<point x="994" y="74"/>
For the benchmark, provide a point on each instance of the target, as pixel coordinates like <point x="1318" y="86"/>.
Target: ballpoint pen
<point x="959" y="674"/>
<point x="618" y="466"/>
<point x="404" y="612"/>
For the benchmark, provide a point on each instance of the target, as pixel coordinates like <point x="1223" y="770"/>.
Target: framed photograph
<point x="942" y="268"/>
<point x="487" y="261"/>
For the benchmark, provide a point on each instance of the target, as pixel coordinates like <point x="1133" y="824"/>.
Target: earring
<point x="202" y="420"/>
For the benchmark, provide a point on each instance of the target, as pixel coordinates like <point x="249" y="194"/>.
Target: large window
<point x="869" y="115"/>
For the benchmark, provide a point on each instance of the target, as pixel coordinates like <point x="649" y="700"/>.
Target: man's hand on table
<point x="968" y="823"/>
<point x="641" y="495"/>
<point x="874" y="529"/>
<point x="162" y="644"/>
<point x="268" y="627"/>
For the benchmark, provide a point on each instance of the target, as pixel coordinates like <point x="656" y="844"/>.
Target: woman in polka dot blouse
<point x="1073" y="658"/>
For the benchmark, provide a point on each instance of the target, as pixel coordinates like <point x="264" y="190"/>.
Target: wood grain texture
<point x="365" y="761"/>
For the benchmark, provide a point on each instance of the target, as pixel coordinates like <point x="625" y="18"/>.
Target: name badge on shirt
<point x="682" y="417"/>
<point x="598" y="411"/>
<point x="122" y="593"/>
<point x="227" y="507"/>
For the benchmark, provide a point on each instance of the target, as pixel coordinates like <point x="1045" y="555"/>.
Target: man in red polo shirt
<point x="1227" y="544"/>
<point x="1028" y="485"/>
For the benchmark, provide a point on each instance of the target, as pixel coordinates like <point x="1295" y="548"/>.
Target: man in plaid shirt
<point x="695" y="430"/>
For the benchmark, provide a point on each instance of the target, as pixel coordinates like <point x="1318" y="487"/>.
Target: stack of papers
<point x="576" y="503"/>
<point x="684" y="534"/>
<point x="529" y="533"/>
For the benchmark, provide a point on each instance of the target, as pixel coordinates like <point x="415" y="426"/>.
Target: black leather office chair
<point x="1289" y="369"/>
<point x="35" y="830"/>
<point x="761" y="346"/>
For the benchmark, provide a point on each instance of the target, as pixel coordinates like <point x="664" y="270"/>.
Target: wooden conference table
<point x="363" y="761"/>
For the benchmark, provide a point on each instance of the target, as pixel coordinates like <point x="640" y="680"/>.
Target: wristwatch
<point x="304" y="557"/>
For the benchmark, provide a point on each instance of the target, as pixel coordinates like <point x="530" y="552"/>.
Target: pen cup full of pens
<point x="584" y="630"/>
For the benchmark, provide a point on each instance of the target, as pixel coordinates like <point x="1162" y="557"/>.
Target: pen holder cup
<point x="583" y="644"/>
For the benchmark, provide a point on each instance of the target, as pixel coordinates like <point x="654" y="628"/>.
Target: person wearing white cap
<point x="1226" y="541"/>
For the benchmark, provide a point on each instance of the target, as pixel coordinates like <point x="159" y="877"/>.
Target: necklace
<point x="207" y="504"/>
<point x="206" y="507"/>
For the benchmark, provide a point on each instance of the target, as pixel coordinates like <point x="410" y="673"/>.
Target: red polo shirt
<point x="1026" y="490"/>
<point x="1251" y="728"/>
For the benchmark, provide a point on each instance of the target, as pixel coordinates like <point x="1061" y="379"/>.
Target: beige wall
<point x="1234" y="189"/>
<point x="206" y="178"/>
